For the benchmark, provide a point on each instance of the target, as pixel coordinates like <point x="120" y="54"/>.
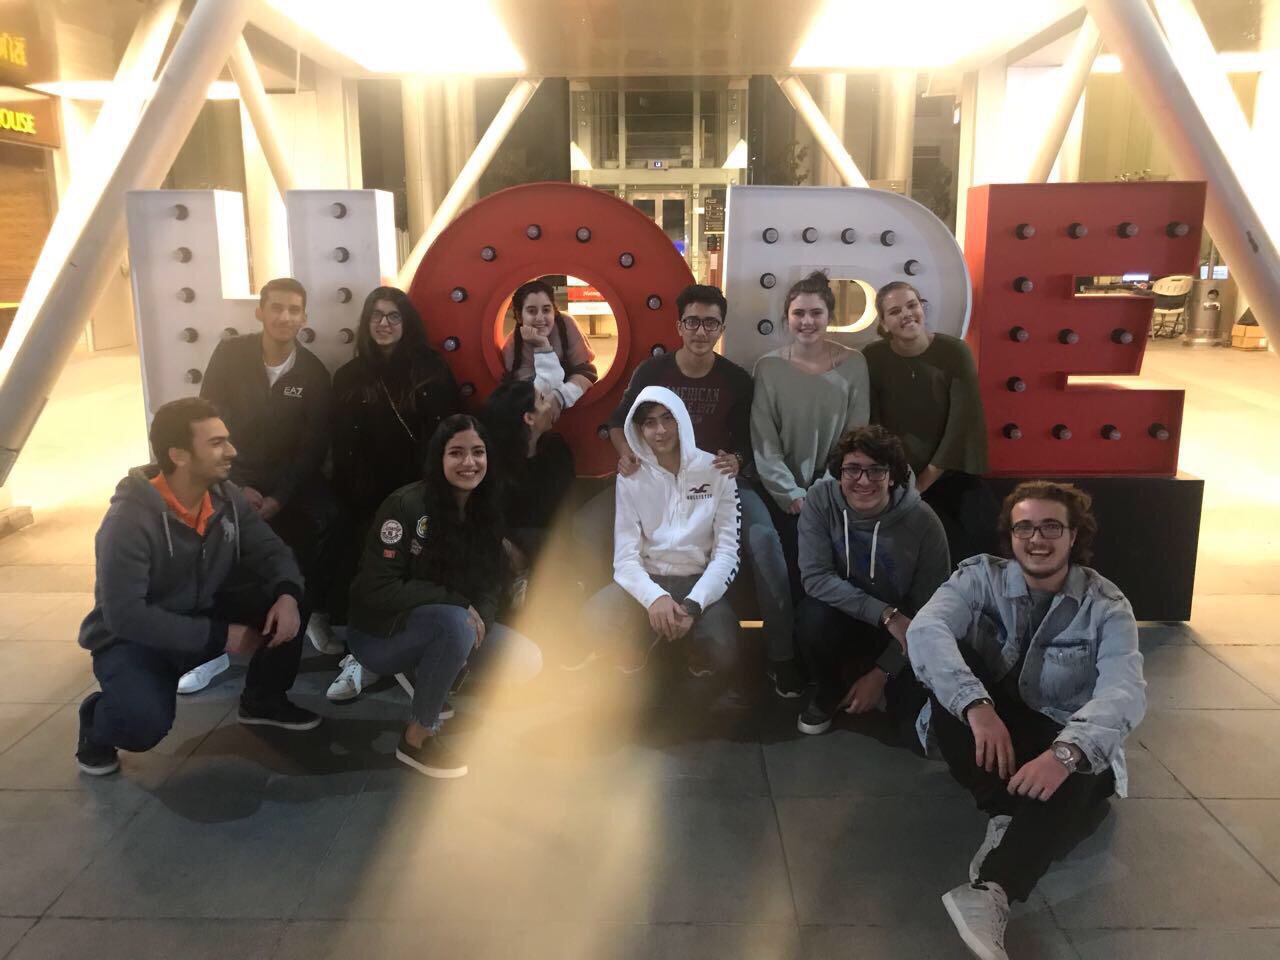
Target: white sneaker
<point x="446" y="712"/>
<point x="193" y="681"/>
<point x="320" y="633"/>
<point x="980" y="912"/>
<point x="996" y="827"/>
<point x="351" y="681"/>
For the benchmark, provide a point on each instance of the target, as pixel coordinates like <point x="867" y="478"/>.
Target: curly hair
<point x="464" y="549"/>
<point x="1079" y="514"/>
<point x="878" y="444"/>
<point x="817" y="283"/>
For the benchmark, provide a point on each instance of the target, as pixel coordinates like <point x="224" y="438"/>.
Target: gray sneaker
<point x="996" y="827"/>
<point x="980" y="912"/>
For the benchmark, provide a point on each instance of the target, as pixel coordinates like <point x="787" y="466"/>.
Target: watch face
<point x="1065" y="755"/>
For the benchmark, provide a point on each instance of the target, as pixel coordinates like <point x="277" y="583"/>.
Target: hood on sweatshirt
<point x="136" y="489"/>
<point x="828" y="498"/>
<point x="690" y="455"/>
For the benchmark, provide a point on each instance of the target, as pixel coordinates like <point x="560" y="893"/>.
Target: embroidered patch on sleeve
<point x="422" y="528"/>
<point x="391" y="532"/>
<point x="389" y="554"/>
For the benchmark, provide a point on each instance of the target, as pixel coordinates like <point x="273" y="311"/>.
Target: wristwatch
<point x="1067" y="755"/>
<point x="887" y="616"/>
<point x="692" y="607"/>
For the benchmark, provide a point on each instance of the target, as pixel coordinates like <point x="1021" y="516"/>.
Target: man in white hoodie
<point x="675" y="545"/>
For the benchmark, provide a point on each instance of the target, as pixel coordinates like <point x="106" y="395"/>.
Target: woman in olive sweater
<point x="433" y="572"/>
<point x="924" y="388"/>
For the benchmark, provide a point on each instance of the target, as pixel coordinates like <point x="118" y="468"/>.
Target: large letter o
<point x="529" y="231"/>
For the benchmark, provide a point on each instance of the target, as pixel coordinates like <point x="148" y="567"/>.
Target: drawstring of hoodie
<point x="167" y="536"/>
<point x="235" y="514"/>
<point x="848" y="561"/>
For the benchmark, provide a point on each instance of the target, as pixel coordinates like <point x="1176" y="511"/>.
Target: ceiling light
<point x="410" y="36"/>
<point x="852" y="35"/>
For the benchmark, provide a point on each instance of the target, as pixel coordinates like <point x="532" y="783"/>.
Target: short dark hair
<point x="883" y="292"/>
<point x="878" y="444"/>
<point x="643" y="410"/>
<point x="817" y="282"/>
<point x="1079" y="514"/>
<point x="282" y="285"/>
<point x="171" y="427"/>
<point x="702" y="293"/>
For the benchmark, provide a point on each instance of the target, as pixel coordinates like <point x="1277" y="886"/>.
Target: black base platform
<point x="1148" y="536"/>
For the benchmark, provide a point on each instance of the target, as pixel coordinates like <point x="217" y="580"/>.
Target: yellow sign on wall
<point x="28" y="117"/>
<point x="13" y="49"/>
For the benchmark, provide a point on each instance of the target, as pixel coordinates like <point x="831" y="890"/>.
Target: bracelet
<point x="887" y="617"/>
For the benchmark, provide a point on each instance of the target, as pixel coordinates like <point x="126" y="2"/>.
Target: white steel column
<point x="834" y="97"/>
<point x="254" y="96"/>
<point x="51" y="317"/>
<point x="1075" y="75"/>
<point x="1130" y="28"/>
<point x="469" y="176"/>
<point x="895" y="127"/>
<point x="827" y="139"/>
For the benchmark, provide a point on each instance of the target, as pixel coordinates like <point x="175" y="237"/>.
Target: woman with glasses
<point x="807" y="394"/>
<point x="548" y="348"/>
<point x="924" y="388"/>
<point x="871" y="553"/>
<point x="388" y="401"/>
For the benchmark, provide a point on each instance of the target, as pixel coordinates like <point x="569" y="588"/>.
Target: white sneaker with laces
<point x="193" y="681"/>
<point x="996" y="828"/>
<point x="351" y="681"/>
<point x="320" y="633"/>
<point x="980" y="912"/>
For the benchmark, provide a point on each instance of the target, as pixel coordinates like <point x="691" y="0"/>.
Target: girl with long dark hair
<point x="548" y="348"/>
<point x="387" y="400"/>
<point x="424" y="601"/>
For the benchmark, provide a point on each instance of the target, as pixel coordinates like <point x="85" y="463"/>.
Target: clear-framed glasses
<point x="1050" y="529"/>
<point x="392" y="318"/>
<point x="710" y="324"/>
<point x="875" y="473"/>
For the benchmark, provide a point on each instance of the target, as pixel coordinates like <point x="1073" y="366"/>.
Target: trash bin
<point x="1209" y="315"/>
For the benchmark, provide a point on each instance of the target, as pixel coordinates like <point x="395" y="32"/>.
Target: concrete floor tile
<point x="1029" y="937"/>
<point x="182" y="859"/>
<point x="1176" y="944"/>
<point x="1256" y="824"/>
<point x="1217" y="753"/>
<point x="344" y="939"/>
<point x="1147" y="776"/>
<point x="12" y="930"/>
<point x="1181" y="676"/>
<point x="1259" y="665"/>
<point x="1160" y="863"/>
<point x="877" y="862"/>
<point x="60" y="625"/>
<point x="48" y="838"/>
<point x="44" y="760"/>
<point x="1237" y="616"/>
<point x="852" y="761"/>
<point x="455" y="850"/>
<point x="42" y="672"/>
<point x="45" y="577"/>
<point x="19" y="609"/>
<point x="659" y="941"/>
<point x="19" y="719"/>
<point x="80" y="939"/>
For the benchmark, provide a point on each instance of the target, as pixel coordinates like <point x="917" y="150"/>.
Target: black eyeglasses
<point x="393" y="318"/>
<point x="875" y="473"/>
<point x="709" y="324"/>
<point x="1050" y="529"/>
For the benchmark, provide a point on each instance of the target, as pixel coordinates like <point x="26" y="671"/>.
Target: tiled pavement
<point x="593" y="827"/>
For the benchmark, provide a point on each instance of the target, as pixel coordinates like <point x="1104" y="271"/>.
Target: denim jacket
<point x="1083" y="668"/>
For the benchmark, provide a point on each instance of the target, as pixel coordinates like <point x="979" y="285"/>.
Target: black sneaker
<point x="95" y="760"/>
<point x="433" y="758"/>
<point x="787" y="679"/>
<point x="277" y="713"/>
<point x="814" y="720"/>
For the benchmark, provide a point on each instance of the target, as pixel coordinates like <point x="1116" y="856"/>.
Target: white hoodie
<point x="674" y="525"/>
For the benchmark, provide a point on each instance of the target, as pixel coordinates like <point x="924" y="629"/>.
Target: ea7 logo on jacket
<point x="700" y="492"/>
<point x="293" y="392"/>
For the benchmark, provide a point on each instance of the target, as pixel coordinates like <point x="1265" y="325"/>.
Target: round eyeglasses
<point x="392" y="319"/>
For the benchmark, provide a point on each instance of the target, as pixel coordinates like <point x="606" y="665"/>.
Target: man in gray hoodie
<point x="871" y="554"/>
<point x="186" y="570"/>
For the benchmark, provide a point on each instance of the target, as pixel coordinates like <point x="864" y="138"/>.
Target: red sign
<point x="1030" y="332"/>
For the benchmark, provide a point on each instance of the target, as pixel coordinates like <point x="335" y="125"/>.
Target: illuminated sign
<point x="17" y="121"/>
<point x="13" y="49"/>
<point x="25" y="55"/>
<point x="29" y="118"/>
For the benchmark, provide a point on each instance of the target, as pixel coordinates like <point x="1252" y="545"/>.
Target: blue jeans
<point x="433" y="646"/>
<point x="761" y="548"/>
<point x="615" y="615"/>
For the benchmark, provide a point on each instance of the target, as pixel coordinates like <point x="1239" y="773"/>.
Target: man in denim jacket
<point x="1036" y="679"/>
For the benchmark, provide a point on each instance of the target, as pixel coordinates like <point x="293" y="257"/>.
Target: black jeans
<point x="1041" y="831"/>
<point x="140" y="682"/>
<point x="310" y="523"/>
<point x="968" y="511"/>
<point x="838" y="649"/>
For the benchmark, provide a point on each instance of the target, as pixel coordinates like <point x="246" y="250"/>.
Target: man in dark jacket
<point x="187" y="570"/>
<point x="274" y="395"/>
<point x="871" y="555"/>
